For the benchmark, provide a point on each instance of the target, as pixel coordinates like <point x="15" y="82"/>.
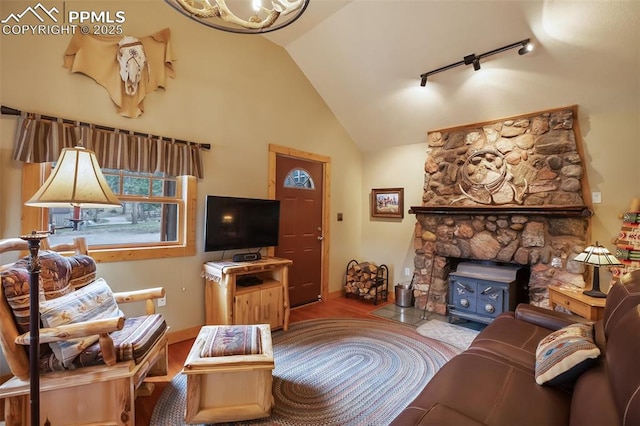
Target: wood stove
<point x="480" y="292"/>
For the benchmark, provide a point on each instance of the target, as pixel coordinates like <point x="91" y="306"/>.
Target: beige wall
<point x="238" y="93"/>
<point x="612" y="149"/>
<point x="390" y="241"/>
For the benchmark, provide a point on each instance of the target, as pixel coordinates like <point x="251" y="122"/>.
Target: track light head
<point x="469" y="59"/>
<point x="527" y="47"/>
<point x="472" y="59"/>
<point x="423" y="80"/>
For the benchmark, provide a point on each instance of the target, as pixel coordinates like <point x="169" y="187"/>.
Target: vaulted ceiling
<point x="365" y="57"/>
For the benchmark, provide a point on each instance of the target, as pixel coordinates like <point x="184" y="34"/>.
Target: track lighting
<point x="473" y="59"/>
<point x="469" y="59"/>
<point x="527" y="47"/>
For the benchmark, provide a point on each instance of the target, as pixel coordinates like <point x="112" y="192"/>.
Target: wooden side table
<point x="591" y="308"/>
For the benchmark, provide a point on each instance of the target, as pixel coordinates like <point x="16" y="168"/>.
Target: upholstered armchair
<point x="93" y="361"/>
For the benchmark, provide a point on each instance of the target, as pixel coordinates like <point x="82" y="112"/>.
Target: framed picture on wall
<point x="387" y="202"/>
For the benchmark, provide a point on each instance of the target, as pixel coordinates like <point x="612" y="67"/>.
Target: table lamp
<point x="597" y="256"/>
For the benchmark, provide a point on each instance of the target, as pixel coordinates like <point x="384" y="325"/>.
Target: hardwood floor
<point x="334" y="308"/>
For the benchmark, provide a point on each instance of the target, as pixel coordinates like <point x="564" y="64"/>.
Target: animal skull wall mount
<point x="132" y="61"/>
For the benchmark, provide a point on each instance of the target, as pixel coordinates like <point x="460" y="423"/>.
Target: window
<point x="156" y="218"/>
<point x="299" y="178"/>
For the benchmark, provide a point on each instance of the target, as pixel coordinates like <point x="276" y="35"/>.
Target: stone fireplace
<point x="507" y="192"/>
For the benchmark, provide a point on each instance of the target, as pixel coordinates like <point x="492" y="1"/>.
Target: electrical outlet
<point x="162" y="301"/>
<point x="596" y="197"/>
<point x="407" y="272"/>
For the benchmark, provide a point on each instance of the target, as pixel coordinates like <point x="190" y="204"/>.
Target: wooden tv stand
<point x="266" y="301"/>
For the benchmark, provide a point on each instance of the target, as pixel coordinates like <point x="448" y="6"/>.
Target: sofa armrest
<point x="141" y="295"/>
<point x="552" y="320"/>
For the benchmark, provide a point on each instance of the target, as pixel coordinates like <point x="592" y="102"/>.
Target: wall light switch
<point x="407" y="272"/>
<point x="596" y="197"/>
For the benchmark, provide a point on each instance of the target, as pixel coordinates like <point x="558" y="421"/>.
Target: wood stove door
<point x="463" y="295"/>
<point x="490" y="299"/>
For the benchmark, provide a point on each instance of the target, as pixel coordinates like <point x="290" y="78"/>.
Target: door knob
<point x="320" y="237"/>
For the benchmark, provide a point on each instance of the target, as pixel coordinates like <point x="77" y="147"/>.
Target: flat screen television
<point x="240" y="223"/>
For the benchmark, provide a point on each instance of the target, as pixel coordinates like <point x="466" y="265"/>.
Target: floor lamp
<point x="597" y="256"/>
<point x="76" y="181"/>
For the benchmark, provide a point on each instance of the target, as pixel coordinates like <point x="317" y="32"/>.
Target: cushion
<point x="15" y="285"/>
<point x="133" y="342"/>
<point x="564" y="354"/>
<point x="227" y="340"/>
<point x="138" y="336"/>
<point x="92" y="302"/>
<point x="54" y="282"/>
<point x="54" y="273"/>
<point x="83" y="270"/>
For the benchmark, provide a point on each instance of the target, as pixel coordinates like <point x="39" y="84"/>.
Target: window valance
<point x="40" y="140"/>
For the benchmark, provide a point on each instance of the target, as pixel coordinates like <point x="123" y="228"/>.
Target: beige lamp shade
<point x="76" y="181"/>
<point x="597" y="255"/>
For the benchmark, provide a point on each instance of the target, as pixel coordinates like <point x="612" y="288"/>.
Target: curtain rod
<point x="12" y="111"/>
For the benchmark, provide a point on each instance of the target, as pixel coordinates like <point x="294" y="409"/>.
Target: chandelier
<point x="247" y="16"/>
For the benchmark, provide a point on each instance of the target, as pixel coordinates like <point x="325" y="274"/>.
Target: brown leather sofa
<point x="492" y="382"/>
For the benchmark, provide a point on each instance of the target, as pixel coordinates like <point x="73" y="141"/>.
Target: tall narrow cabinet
<point x="255" y="292"/>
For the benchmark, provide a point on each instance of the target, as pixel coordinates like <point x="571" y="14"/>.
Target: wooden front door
<point x="299" y="187"/>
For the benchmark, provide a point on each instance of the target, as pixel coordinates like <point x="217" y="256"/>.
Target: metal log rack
<point x="381" y="284"/>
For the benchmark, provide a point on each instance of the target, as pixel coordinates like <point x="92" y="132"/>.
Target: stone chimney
<point x="510" y="191"/>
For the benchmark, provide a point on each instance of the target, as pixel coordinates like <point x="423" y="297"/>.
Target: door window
<point x="299" y="178"/>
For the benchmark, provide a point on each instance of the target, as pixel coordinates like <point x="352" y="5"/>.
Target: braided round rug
<point x="336" y="372"/>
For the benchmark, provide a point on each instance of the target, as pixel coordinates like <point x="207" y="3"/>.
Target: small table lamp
<point x="597" y="256"/>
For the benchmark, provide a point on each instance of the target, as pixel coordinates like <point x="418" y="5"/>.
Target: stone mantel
<point x="556" y="211"/>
